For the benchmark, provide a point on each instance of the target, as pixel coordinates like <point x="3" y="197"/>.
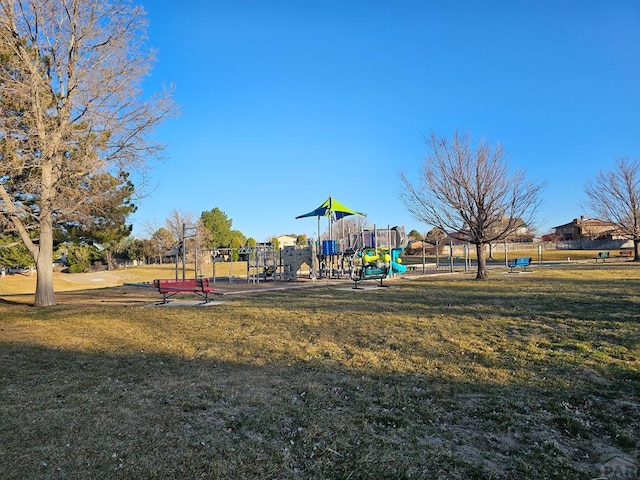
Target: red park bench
<point x="625" y="254"/>
<point x="170" y="287"/>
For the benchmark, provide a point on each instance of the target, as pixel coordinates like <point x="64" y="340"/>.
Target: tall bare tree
<point x="70" y="108"/>
<point x="470" y="192"/>
<point x="177" y="220"/>
<point x="185" y="228"/>
<point x="615" y="196"/>
<point x="352" y="224"/>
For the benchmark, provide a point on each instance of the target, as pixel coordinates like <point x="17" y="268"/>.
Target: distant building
<point x="286" y="240"/>
<point x="521" y="232"/>
<point x="586" y="228"/>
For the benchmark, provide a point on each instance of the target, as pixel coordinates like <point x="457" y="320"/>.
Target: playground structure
<point x="265" y="262"/>
<point x="375" y="264"/>
<point x="293" y="257"/>
<point x="366" y="255"/>
<point x="375" y="254"/>
<point x="369" y="254"/>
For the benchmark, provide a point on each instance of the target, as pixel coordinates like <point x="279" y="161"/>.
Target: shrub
<point x="80" y="257"/>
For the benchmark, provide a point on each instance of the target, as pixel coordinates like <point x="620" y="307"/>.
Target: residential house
<point x="286" y="240"/>
<point x="586" y="228"/>
<point x="521" y="232"/>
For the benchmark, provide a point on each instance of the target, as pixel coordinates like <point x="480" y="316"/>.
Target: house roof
<point x="577" y="222"/>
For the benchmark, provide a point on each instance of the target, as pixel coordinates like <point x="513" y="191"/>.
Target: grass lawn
<point x="521" y="251"/>
<point x="524" y="376"/>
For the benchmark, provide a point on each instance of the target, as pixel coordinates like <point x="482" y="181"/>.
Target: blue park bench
<point x="520" y="262"/>
<point x="602" y="256"/>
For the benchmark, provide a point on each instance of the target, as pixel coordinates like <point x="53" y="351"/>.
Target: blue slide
<point x="396" y="266"/>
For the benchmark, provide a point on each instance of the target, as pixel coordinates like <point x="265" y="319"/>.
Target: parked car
<point x="16" y="269"/>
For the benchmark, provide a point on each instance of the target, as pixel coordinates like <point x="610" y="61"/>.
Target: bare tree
<point x="177" y="220"/>
<point x="70" y="108"/>
<point x="615" y="196"/>
<point x="435" y="235"/>
<point x="470" y="193"/>
<point x="183" y="226"/>
<point x="149" y="227"/>
<point x="350" y="225"/>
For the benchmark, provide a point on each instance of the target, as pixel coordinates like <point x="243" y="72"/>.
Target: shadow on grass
<point x="511" y="378"/>
<point x="77" y="415"/>
<point x="584" y="300"/>
<point x="4" y="301"/>
<point x="82" y="298"/>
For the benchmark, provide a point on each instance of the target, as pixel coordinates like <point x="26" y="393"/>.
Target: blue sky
<point x="284" y="103"/>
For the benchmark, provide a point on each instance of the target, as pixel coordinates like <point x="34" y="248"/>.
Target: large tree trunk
<point x="63" y="127"/>
<point x="45" y="295"/>
<point x="636" y="250"/>
<point x="482" y="262"/>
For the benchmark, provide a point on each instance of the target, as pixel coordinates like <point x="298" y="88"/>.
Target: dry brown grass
<point x="521" y="250"/>
<point x="524" y="376"/>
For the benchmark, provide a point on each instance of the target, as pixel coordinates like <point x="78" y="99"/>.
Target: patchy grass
<point x="528" y="376"/>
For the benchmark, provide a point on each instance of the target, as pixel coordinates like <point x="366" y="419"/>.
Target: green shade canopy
<point x="331" y="208"/>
